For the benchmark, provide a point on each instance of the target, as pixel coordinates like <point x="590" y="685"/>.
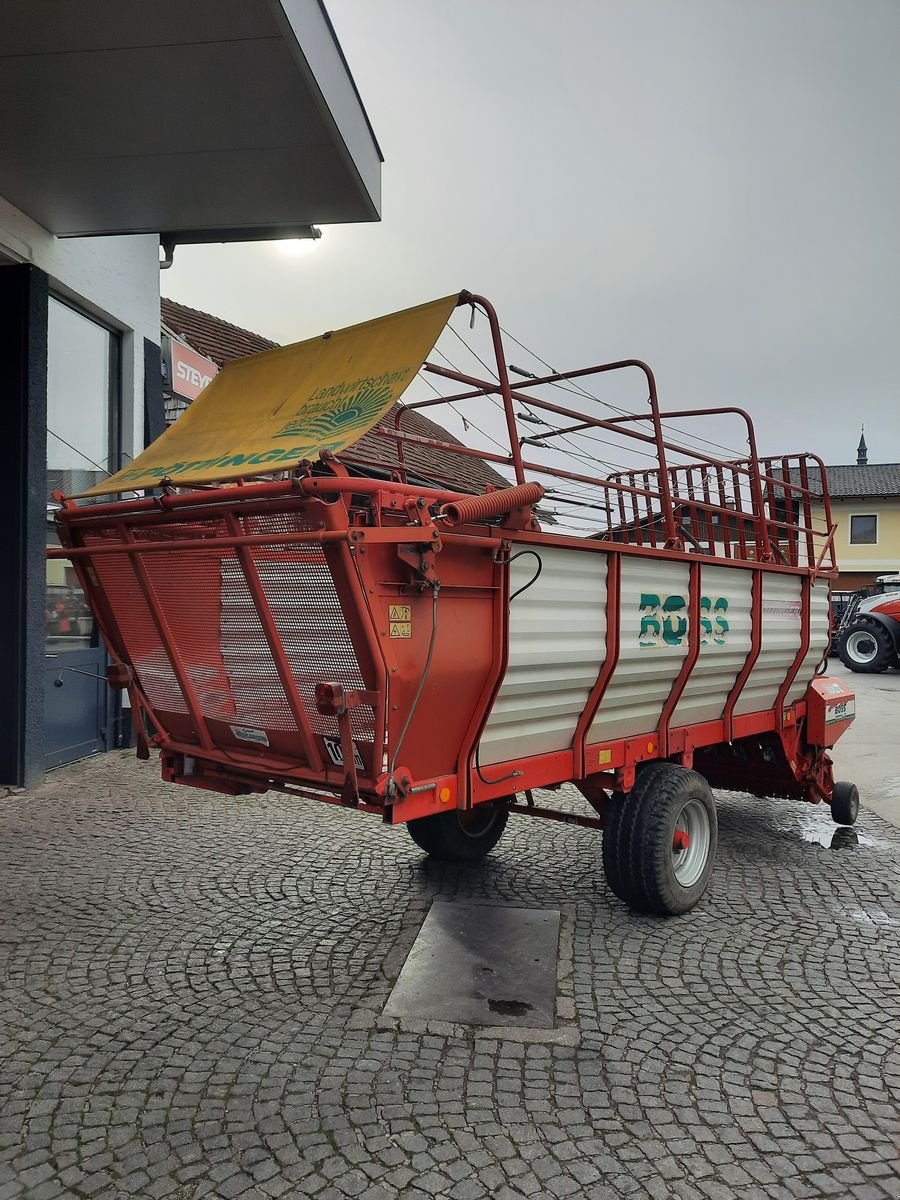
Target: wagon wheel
<point x="457" y="836"/>
<point x="844" y="803"/>
<point x="660" y="842"/>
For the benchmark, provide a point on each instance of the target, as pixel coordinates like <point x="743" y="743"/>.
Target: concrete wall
<point x="113" y="278"/>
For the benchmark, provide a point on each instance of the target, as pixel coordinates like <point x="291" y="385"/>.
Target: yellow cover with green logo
<point x="269" y="411"/>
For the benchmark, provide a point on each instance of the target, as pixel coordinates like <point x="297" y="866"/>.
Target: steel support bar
<point x="168" y="640"/>
<point x="276" y="647"/>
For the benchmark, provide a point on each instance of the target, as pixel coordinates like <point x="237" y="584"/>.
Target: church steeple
<point x="862" y="450"/>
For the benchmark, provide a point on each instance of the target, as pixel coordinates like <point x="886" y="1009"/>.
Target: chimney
<point x="862" y="450"/>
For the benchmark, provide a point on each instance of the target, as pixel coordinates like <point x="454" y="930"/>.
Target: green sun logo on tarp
<point x="339" y="417"/>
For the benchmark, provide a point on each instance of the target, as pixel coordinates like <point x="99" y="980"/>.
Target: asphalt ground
<point x="869" y="753"/>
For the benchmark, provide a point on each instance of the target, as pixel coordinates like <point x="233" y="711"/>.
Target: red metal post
<point x="167" y="638"/>
<point x="276" y="647"/>
<point x="503" y="376"/>
<point x="693" y="653"/>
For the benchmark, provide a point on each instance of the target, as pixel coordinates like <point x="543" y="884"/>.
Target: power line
<point x="615" y="408"/>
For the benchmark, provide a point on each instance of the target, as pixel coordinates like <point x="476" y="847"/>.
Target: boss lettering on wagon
<point x="664" y="621"/>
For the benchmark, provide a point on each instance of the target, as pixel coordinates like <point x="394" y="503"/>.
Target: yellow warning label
<point x="604" y="757"/>
<point x="401" y="629"/>
<point x="400" y="612"/>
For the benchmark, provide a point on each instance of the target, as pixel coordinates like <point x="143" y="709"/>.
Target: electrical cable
<point x="435" y="587"/>
<point x="622" y="411"/>
<point x="87" y="457"/>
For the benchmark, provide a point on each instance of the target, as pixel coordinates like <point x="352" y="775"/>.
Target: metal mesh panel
<point x="281" y="522"/>
<point x="143" y="644"/>
<point x="252" y="677"/>
<point x="211" y="616"/>
<point x="307" y="613"/>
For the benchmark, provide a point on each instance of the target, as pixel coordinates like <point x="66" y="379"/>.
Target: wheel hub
<point x="691" y="842"/>
<point x="861" y="646"/>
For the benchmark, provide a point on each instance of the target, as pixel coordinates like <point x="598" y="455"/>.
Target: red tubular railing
<point x="740" y="507"/>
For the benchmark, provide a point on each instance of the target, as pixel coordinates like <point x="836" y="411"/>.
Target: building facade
<point x="865" y="508"/>
<point x="116" y="147"/>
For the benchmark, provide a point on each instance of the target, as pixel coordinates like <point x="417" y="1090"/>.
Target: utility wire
<point x="615" y="408"/>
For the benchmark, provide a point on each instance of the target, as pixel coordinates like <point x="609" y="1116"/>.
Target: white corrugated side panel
<point x="781" y="629"/>
<point x="819" y="621"/>
<point x="557" y="644"/>
<point x="724" y="646"/>
<point x="644" y="674"/>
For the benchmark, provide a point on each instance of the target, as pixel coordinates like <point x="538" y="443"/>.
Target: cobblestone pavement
<point x="192" y="988"/>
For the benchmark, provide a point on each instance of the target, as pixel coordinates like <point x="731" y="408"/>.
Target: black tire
<point x="867" y="647"/>
<point x="642" y="865"/>
<point x="460" y="836"/>
<point x="618" y="833"/>
<point x="845" y="803"/>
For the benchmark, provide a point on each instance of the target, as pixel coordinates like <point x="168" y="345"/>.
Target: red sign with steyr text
<point x="190" y="372"/>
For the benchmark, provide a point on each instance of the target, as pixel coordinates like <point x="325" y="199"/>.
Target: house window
<point x="864" y="530"/>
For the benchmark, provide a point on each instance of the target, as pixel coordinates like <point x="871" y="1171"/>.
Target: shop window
<point x="82" y="385"/>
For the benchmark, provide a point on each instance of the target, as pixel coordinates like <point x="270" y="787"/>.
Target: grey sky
<point x="711" y="185"/>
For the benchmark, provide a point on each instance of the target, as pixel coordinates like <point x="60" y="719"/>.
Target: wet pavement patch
<point x="481" y="964"/>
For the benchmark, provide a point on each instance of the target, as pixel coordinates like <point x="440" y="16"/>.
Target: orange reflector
<point x="444" y="795"/>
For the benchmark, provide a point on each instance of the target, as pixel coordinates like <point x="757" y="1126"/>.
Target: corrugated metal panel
<point x="781" y="629"/>
<point x="819" y="622"/>
<point x="724" y="646"/>
<point x="652" y="645"/>
<point x="557" y="644"/>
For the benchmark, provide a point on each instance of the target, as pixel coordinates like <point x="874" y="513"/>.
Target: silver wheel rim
<point x="861" y="646"/>
<point x="690" y="843"/>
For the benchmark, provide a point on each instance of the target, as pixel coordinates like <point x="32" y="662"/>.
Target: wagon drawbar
<point x="357" y="634"/>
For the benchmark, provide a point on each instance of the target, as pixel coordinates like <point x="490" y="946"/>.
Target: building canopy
<point x="214" y="120"/>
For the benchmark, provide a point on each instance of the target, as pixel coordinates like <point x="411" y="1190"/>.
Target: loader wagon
<point x="346" y="630"/>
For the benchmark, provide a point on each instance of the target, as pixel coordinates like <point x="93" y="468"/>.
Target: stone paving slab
<point x="191" y="989"/>
<point x="481" y="964"/>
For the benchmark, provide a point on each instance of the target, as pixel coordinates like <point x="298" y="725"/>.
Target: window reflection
<point x="80" y="378"/>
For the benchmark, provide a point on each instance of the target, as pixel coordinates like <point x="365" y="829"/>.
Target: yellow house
<point x="865" y="506"/>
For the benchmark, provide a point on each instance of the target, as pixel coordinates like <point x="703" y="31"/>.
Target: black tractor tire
<point x="460" y="836"/>
<point x="867" y="647"/>
<point x="845" y="803"/>
<point x="642" y="863"/>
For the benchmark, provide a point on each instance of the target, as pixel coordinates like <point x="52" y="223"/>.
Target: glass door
<point x="82" y="405"/>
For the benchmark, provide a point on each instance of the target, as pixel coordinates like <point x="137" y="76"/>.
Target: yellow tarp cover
<point x="268" y="411"/>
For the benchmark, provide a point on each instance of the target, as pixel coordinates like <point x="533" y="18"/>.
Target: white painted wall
<point x="113" y="278"/>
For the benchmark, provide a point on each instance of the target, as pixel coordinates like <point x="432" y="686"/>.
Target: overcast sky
<point x="711" y="185"/>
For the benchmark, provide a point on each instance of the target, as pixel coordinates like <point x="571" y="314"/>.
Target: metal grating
<point x="143" y="644"/>
<point x="307" y="614"/>
<point x="212" y="619"/>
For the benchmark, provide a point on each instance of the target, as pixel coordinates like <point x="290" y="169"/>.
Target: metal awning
<point x="209" y="120"/>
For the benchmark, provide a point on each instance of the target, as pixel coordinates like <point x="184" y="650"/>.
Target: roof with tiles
<point x="223" y="342"/>
<point x="209" y="335"/>
<point x="869" y="481"/>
